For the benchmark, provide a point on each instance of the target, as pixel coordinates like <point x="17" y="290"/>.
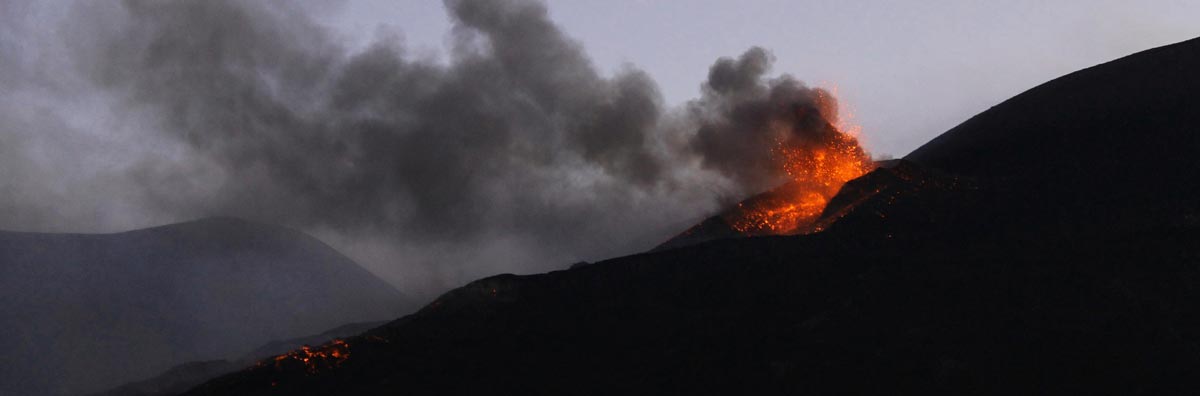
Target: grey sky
<point x="909" y="70"/>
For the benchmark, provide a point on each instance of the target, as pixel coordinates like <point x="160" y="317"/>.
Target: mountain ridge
<point x="198" y="290"/>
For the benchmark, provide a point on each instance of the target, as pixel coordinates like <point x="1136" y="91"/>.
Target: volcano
<point x="1046" y="245"/>
<point x="84" y="312"/>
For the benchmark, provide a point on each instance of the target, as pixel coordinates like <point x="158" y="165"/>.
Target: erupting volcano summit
<point x="815" y="151"/>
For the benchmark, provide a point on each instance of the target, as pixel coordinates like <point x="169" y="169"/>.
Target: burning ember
<point x="816" y="168"/>
<point x="315" y="359"/>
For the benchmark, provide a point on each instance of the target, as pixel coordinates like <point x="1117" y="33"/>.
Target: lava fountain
<point x="817" y="152"/>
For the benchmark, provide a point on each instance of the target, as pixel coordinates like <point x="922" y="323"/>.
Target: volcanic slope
<point x="1047" y="245"/>
<point x="182" y="377"/>
<point x="85" y="312"/>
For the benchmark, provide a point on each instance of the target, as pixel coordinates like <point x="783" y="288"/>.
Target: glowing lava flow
<point x="316" y="359"/>
<point x="816" y="172"/>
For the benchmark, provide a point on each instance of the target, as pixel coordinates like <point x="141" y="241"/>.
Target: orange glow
<point x="816" y="173"/>
<point x="316" y="359"/>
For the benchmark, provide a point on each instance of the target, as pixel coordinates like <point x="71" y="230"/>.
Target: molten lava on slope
<point x="816" y="173"/>
<point x="314" y="360"/>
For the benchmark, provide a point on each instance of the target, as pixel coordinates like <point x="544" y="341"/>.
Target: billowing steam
<point x="514" y="154"/>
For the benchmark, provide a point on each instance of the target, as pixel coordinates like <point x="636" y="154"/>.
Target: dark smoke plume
<point x="742" y="115"/>
<point x="514" y="154"/>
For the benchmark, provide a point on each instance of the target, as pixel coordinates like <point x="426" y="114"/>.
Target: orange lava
<point x="816" y="173"/>
<point x="778" y="216"/>
<point x="316" y="359"/>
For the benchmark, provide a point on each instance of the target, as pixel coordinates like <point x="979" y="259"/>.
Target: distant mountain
<point x="84" y="312"/>
<point x="1046" y="246"/>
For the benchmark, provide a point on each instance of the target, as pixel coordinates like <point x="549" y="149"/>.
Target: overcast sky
<point x="435" y="146"/>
